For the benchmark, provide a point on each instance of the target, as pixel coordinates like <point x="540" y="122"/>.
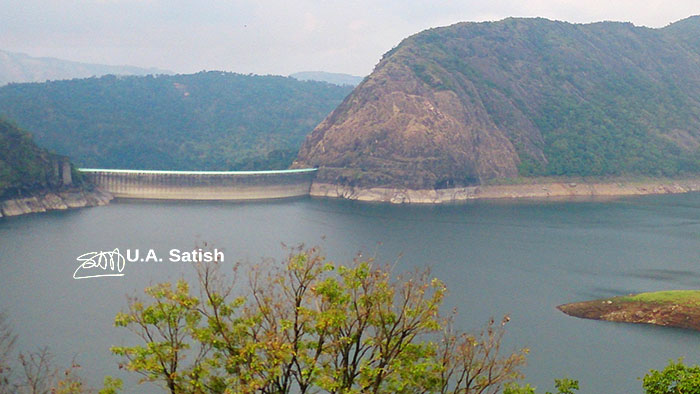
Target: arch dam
<point x="202" y="185"/>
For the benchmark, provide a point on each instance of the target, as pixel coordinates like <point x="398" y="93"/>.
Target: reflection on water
<point x="522" y="258"/>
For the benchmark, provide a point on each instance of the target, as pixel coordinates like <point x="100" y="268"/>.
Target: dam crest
<point x="202" y="185"/>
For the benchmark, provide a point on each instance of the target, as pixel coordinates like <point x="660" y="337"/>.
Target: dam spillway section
<point x="202" y="185"/>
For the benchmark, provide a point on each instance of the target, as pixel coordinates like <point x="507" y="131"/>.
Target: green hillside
<point x="204" y="121"/>
<point x="24" y="167"/>
<point x="472" y="102"/>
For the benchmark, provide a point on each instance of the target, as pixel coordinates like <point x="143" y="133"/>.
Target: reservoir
<point x="521" y="258"/>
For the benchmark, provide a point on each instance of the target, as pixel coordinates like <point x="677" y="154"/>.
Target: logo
<point x="111" y="263"/>
<point x="99" y="264"/>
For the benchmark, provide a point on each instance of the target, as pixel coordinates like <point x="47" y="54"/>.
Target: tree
<point x="36" y="373"/>
<point x="309" y="324"/>
<point x="41" y="376"/>
<point x="168" y="325"/>
<point x="473" y="363"/>
<point x="7" y="344"/>
<point x="563" y="386"/>
<point x="676" y="378"/>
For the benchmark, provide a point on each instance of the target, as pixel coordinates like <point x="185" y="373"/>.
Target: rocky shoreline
<point x="548" y="190"/>
<point x="49" y="201"/>
<point x="76" y="198"/>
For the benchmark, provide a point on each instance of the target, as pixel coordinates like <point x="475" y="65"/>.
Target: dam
<point x="202" y="185"/>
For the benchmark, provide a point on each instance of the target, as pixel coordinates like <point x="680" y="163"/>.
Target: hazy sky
<point x="274" y="36"/>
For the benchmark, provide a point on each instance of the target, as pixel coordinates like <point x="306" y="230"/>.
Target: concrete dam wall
<point x="202" y="185"/>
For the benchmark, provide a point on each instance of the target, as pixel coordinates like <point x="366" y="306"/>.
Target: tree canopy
<point x="309" y="325"/>
<point x="24" y="166"/>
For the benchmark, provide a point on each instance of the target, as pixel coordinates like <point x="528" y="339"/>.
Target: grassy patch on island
<point x="678" y="297"/>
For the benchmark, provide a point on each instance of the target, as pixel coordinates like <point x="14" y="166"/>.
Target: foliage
<point x="308" y="325"/>
<point x="111" y="385"/>
<point x="166" y="326"/>
<point x="23" y="165"/>
<point x="676" y="378"/>
<point x="563" y="386"/>
<point x="204" y="121"/>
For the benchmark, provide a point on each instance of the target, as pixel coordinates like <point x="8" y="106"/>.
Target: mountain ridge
<point x="18" y="67"/>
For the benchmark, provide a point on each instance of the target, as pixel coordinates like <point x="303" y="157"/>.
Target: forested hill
<point x="473" y="102"/>
<point x="204" y="121"/>
<point x="24" y="167"/>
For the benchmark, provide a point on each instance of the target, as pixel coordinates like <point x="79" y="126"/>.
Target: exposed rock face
<point x="395" y="127"/>
<point x="53" y="201"/>
<point x="456" y="106"/>
<point x="550" y="190"/>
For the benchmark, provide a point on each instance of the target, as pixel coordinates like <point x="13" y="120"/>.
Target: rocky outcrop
<point x="49" y="201"/>
<point x="396" y="130"/>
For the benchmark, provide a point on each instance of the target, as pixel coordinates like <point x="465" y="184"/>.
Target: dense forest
<point x="204" y="121"/>
<point x="24" y="167"/>
<point x="473" y="102"/>
<point x="607" y="98"/>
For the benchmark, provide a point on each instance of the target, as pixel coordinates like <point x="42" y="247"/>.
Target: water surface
<point x="519" y="258"/>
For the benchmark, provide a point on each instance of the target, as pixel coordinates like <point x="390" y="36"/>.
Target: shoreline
<point x="556" y="190"/>
<point x="44" y="201"/>
<point x="546" y="190"/>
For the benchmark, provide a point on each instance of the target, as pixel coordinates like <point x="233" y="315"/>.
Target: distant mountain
<point x="204" y="121"/>
<point x="473" y="102"/>
<point x="322" y="76"/>
<point x="18" y="67"/>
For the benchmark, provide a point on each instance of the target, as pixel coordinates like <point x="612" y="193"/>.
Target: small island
<point x="676" y="308"/>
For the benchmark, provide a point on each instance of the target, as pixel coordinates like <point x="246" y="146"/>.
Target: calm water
<point x="522" y="258"/>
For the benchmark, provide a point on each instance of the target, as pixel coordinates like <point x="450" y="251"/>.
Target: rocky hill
<point x="473" y="102"/>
